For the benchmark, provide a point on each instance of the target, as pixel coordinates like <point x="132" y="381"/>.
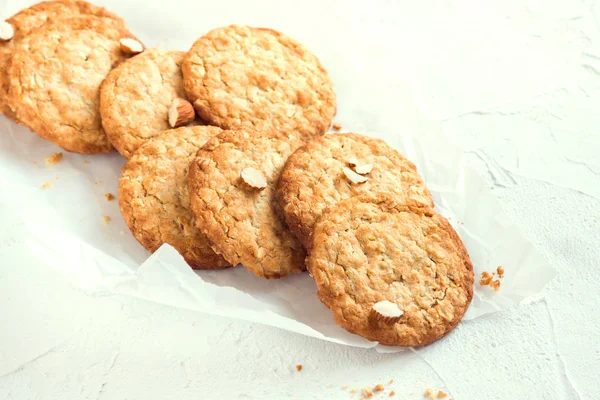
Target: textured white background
<point x="515" y="83"/>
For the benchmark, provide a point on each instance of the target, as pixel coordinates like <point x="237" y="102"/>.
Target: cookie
<point x="28" y="20"/>
<point x="232" y="184"/>
<point x="391" y="270"/>
<point x="55" y="78"/>
<point x="239" y="76"/>
<point x="136" y="96"/>
<point x="153" y="195"/>
<point x="322" y="172"/>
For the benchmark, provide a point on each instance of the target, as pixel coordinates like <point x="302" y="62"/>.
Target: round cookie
<point x="28" y="20"/>
<point x="244" y="223"/>
<point x="153" y="195"/>
<point x="136" y="96"/>
<point x="314" y="179"/>
<point x="377" y="248"/>
<point x="55" y="78"/>
<point x="239" y="76"/>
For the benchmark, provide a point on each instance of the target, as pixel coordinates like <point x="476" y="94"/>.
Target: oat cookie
<point x="29" y="19"/>
<point x="154" y="200"/>
<point x="232" y="185"/>
<point x="136" y="96"/>
<point x="239" y="76"/>
<point x="379" y="249"/>
<point x="55" y="78"/>
<point x="323" y="172"/>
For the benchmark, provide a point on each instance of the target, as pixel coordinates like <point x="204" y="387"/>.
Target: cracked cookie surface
<point x="244" y="224"/>
<point x="136" y="96"/>
<point x="29" y="19"/>
<point x="55" y="78"/>
<point x="313" y="178"/>
<point x="153" y="195"/>
<point x="240" y="76"/>
<point x="377" y="247"/>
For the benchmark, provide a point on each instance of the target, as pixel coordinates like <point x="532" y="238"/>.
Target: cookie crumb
<point x="486" y="278"/>
<point x="392" y="393"/>
<point x="110" y="197"/>
<point x="299" y="367"/>
<point x="336" y="126"/>
<point x="345" y="387"/>
<point x="441" y="394"/>
<point x="391" y="381"/>
<point x="378" y="388"/>
<point x="500" y="271"/>
<point x="495" y="285"/>
<point x="46" y="185"/>
<point x="54" y="158"/>
<point x="368" y="393"/>
<point x="106" y="220"/>
<point x="429" y="393"/>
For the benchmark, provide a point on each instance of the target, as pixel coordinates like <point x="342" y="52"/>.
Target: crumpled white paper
<point x="63" y="224"/>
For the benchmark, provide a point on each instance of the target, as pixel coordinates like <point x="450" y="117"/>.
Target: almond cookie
<point x="55" y="78"/>
<point x="391" y="270"/>
<point x="232" y="185"/>
<point x="153" y="195"/>
<point x="29" y="19"/>
<point x="239" y="76"/>
<point x="136" y="96"/>
<point x="336" y="167"/>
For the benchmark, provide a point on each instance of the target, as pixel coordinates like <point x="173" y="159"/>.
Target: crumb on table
<point x="441" y="394"/>
<point x="368" y="393"/>
<point x="392" y="393"/>
<point x="429" y="393"/>
<point x="336" y="126"/>
<point x="54" y="158"/>
<point x="391" y="381"/>
<point x="110" y="197"/>
<point x="299" y="367"/>
<point x="378" y="388"/>
<point x="106" y="219"/>
<point x="46" y="185"/>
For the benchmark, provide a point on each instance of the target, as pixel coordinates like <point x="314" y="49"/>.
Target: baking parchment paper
<point x="64" y="224"/>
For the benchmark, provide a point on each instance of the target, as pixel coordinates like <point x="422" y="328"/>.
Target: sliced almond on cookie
<point x="6" y="31"/>
<point x="254" y="178"/>
<point x="354" y="177"/>
<point x="386" y="312"/>
<point x="363" y="169"/>
<point x="131" y="46"/>
<point x="181" y="113"/>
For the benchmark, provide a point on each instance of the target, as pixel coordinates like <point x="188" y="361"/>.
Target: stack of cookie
<point x="248" y="175"/>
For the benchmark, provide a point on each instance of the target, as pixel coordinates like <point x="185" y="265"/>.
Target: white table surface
<point x="516" y="83"/>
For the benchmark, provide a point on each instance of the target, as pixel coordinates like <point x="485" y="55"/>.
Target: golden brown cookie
<point x="55" y="78"/>
<point x="323" y="172"/>
<point x="153" y="195"/>
<point x="232" y="194"/>
<point x="136" y="96"/>
<point x="28" y="20"/>
<point x="239" y="76"/>
<point x="391" y="271"/>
